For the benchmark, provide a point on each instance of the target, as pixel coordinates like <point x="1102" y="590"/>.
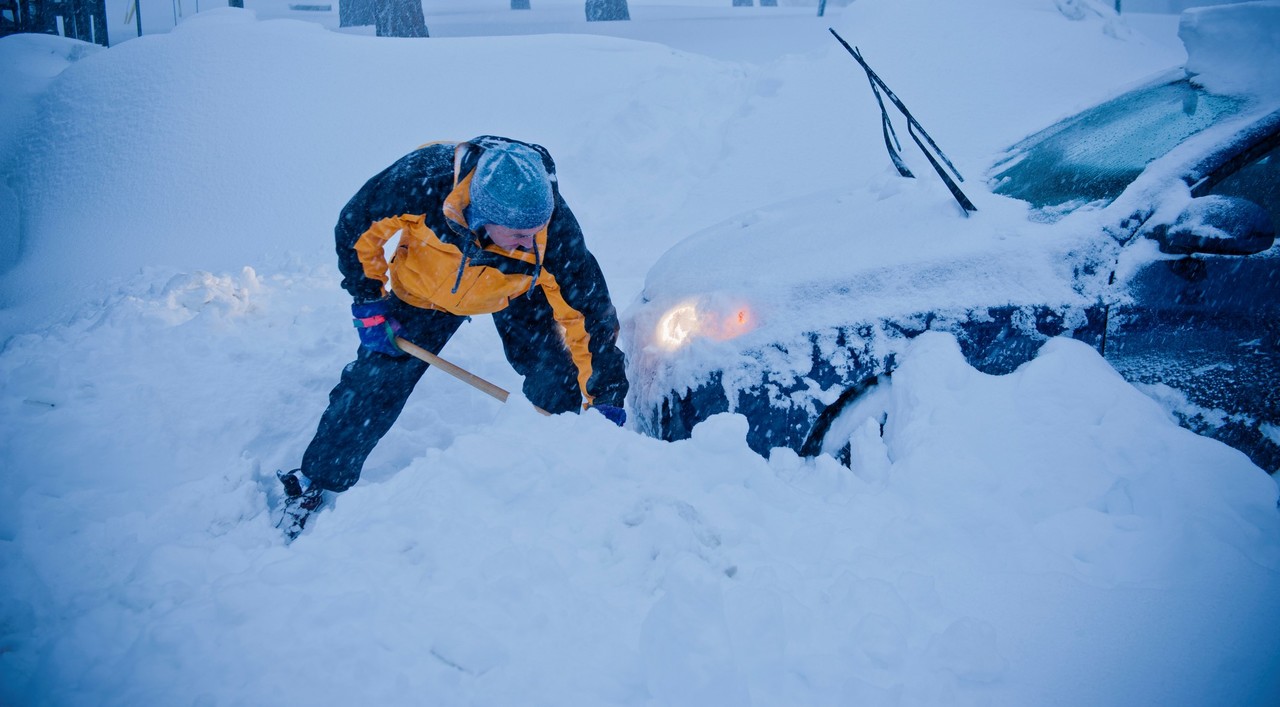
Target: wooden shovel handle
<point x="457" y="372"/>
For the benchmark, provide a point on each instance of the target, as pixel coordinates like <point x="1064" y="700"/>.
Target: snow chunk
<point x="1234" y="48"/>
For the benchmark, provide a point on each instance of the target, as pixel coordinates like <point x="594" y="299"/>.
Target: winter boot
<point x="301" y="499"/>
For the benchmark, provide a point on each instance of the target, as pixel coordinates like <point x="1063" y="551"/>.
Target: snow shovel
<point x="460" y="373"/>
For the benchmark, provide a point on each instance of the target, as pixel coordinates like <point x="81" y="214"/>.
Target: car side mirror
<point x="1219" y="225"/>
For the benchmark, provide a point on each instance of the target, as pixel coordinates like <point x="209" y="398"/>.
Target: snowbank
<point x="1234" y="48"/>
<point x="31" y="61"/>
<point x="1046" y="535"/>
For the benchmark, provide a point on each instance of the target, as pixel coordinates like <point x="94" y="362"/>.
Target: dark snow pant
<point x="374" y="387"/>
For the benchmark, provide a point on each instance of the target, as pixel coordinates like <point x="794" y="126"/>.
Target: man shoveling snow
<point x="484" y="230"/>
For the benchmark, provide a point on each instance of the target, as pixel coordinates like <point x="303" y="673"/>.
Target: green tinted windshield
<point x="1096" y="154"/>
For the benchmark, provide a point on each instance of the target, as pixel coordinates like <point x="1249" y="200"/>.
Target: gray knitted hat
<point x="510" y="188"/>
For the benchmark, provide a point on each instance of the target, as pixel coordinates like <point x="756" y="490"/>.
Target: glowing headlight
<point x="676" y="326"/>
<point x="682" y="322"/>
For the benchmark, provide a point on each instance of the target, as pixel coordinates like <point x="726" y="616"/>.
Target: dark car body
<point x="1173" y="196"/>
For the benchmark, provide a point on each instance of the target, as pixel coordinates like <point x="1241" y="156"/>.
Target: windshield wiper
<point x="891" y="137"/>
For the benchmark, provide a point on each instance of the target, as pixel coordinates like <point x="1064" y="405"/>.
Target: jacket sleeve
<point x="363" y="265"/>
<point x="577" y="292"/>
<point x="399" y="194"/>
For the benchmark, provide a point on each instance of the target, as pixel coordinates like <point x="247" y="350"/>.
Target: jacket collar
<point x="465" y="156"/>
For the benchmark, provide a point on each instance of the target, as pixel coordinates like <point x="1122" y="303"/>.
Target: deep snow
<point x="172" y="324"/>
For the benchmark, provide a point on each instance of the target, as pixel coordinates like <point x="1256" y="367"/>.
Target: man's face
<point x="512" y="238"/>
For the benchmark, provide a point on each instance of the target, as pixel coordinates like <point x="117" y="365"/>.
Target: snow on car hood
<point x="893" y="248"/>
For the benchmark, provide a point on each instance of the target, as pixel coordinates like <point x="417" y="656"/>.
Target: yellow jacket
<point x="441" y="264"/>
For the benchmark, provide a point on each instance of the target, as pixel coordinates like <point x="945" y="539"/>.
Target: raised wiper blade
<point x="890" y="135"/>
<point x="914" y="129"/>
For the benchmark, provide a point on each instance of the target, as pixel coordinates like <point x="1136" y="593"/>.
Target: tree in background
<point x="356" y="13"/>
<point x="607" y="10"/>
<point x="393" y="18"/>
<point x="400" y="18"/>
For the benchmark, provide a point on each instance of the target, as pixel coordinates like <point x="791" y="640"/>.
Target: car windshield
<point x="1093" y="156"/>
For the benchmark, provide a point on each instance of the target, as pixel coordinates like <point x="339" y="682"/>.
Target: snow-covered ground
<point x="172" y="323"/>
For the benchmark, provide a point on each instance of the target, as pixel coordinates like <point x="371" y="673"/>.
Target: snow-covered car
<point x="1143" y="226"/>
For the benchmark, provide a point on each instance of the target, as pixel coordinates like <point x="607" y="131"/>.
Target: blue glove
<point x="377" y="329"/>
<point x="616" y="415"/>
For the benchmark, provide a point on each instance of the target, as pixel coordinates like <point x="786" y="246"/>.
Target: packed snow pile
<point x="1046" y="535"/>
<point x="31" y="61"/>
<point x="1234" y="48"/>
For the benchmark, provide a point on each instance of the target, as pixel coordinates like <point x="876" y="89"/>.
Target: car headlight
<point x="718" y="321"/>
